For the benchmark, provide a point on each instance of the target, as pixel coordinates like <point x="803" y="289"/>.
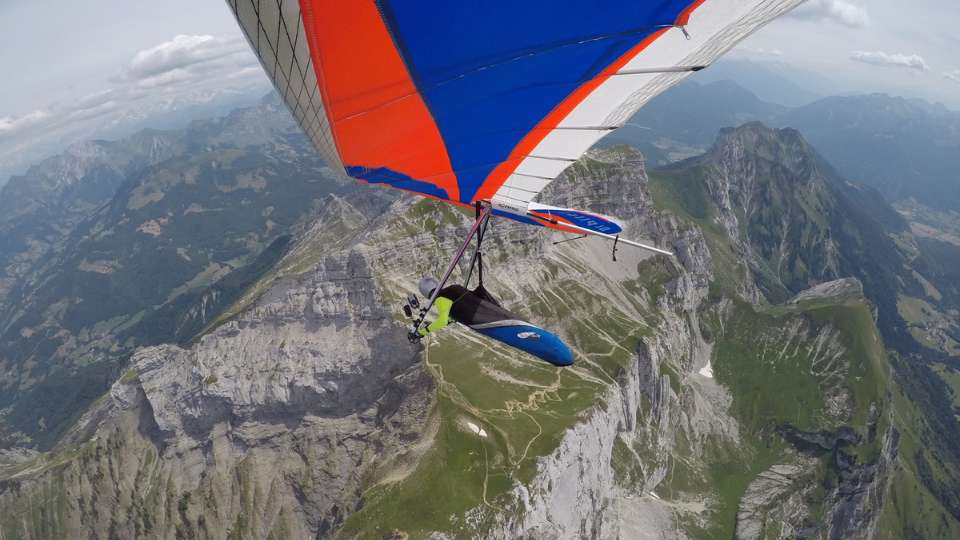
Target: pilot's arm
<point x="443" y="306"/>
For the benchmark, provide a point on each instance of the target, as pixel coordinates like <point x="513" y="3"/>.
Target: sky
<point x="57" y="50"/>
<point x="73" y="70"/>
<point x="77" y="70"/>
<point x="863" y="46"/>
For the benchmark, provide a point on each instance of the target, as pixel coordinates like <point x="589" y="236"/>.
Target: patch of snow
<point x="476" y="429"/>
<point x="707" y="370"/>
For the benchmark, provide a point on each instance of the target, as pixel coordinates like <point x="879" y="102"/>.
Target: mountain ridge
<point x="903" y="147"/>
<point x="700" y="406"/>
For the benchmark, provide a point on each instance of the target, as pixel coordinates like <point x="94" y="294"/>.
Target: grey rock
<point x="836" y="289"/>
<point x="761" y="512"/>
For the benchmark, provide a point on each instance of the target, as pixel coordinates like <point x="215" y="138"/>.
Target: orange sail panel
<point x="383" y="130"/>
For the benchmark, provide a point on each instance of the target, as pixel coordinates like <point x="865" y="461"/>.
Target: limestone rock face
<point x="761" y="505"/>
<point x="324" y="345"/>
<point x="266" y="425"/>
<point x="836" y="289"/>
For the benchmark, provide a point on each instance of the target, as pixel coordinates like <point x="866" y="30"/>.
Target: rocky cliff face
<point x="697" y="408"/>
<point x="109" y="243"/>
<point x="596" y="483"/>
<point x="268" y="424"/>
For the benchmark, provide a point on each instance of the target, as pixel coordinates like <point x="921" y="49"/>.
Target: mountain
<point x="773" y="82"/>
<point x="169" y="113"/>
<point x="100" y="242"/>
<point x="905" y="148"/>
<point x="39" y="209"/>
<point x="685" y="120"/>
<point x="747" y="387"/>
<point x="802" y="224"/>
<point x="799" y="222"/>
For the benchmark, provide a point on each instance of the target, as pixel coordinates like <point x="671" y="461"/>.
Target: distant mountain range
<point x="168" y="114"/>
<point x="771" y="81"/>
<point x="906" y="148"/>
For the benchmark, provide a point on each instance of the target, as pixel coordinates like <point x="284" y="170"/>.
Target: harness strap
<point x="480" y="268"/>
<point x="477" y="259"/>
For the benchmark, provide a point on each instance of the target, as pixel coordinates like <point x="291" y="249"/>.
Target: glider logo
<point x="528" y="335"/>
<point x="583" y="220"/>
<point x="592" y="223"/>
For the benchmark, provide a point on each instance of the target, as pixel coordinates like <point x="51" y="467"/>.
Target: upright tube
<point x="484" y="214"/>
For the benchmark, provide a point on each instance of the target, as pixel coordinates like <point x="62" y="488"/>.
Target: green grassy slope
<point x="523" y="406"/>
<point x="770" y="388"/>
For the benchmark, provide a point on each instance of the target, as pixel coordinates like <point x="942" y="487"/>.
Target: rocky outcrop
<point x="267" y="426"/>
<point x="773" y="503"/>
<point x="838" y="289"/>
<point x="862" y="490"/>
<point x="325" y="346"/>
<point x="858" y="489"/>
<point x="819" y="441"/>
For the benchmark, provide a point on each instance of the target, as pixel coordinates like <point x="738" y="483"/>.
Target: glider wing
<point x="490" y="100"/>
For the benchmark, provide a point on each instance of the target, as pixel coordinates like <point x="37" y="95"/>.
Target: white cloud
<point x="12" y="125"/>
<point x="181" y="52"/>
<point x="880" y="58"/>
<point x="184" y="66"/>
<point x="952" y="75"/>
<point x="850" y="13"/>
<point x="185" y="59"/>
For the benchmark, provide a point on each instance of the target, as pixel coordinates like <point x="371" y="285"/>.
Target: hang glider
<point x="487" y="101"/>
<point x="483" y="103"/>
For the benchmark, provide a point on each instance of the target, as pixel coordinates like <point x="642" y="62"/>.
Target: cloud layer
<point x="953" y="76"/>
<point x="171" y="69"/>
<point x="880" y="58"/>
<point x="846" y="12"/>
<point x="61" y="115"/>
<point x="185" y="58"/>
<point x="183" y="69"/>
